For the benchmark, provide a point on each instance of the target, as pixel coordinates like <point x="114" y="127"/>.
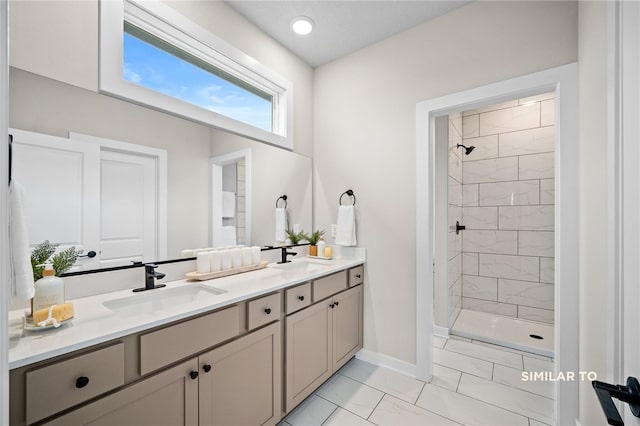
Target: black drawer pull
<point x="81" y="382"/>
<point x="337" y="303"/>
<point x="206" y="368"/>
<point x="301" y="298"/>
<point x="358" y="276"/>
<point x="267" y="311"/>
<point x="193" y="375"/>
<point x="333" y="305"/>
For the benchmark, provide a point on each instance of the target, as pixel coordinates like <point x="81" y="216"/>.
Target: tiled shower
<point x="502" y="192"/>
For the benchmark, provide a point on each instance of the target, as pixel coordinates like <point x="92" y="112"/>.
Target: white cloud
<point x="131" y="75"/>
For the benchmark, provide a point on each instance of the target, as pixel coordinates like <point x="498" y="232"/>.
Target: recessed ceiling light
<point x="302" y="25"/>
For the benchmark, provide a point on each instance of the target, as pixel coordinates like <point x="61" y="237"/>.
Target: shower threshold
<point x="515" y="333"/>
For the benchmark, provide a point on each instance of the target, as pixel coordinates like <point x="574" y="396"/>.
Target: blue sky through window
<point x="156" y="69"/>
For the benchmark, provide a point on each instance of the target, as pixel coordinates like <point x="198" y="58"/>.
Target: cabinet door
<point x="347" y="325"/>
<point x="241" y="383"/>
<point x="308" y="360"/>
<point x="168" y="398"/>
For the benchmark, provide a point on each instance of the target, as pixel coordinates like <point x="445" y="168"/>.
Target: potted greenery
<point x="61" y="261"/>
<point x="295" y="238"/>
<point x="313" y="241"/>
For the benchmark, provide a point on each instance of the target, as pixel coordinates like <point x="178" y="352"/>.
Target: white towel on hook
<point x="346" y="226"/>
<point x="228" y="204"/>
<point x="22" y="287"/>
<point x="281" y="225"/>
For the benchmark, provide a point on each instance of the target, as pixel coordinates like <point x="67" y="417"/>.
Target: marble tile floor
<point x="474" y="383"/>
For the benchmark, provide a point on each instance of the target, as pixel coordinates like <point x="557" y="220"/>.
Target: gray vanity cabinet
<point x="167" y="398"/>
<point x="321" y="339"/>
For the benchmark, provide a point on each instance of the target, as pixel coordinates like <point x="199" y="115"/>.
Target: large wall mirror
<point x="200" y="168"/>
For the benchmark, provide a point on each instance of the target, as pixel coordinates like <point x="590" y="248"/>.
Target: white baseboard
<point x="441" y="331"/>
<point x="386" y="361"/>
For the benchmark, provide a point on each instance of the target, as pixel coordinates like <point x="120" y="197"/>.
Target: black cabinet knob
<point x="267" y="311"/>
<point x="333" y="305"/>
<point x="193" y="375"/>
<point x="358" y="276"/>
<point x="206" y="368"/>
<point x="81" y="382"/>
<point x="301" y="298"/>
<point x="337" y="303"/>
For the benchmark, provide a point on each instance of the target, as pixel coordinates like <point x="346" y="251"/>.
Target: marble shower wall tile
<point x="485" y="147"/>
<point x="547" y="113"/>
<point x="470" y="126"/>
<point x="536" y="166"/>
<point x="514" y="193"/>
<point x="547" y="191"/>
<point x="536" y="314"/>
<point x="498" y="242"/>
<point x="535" y="295"/>
<point x="511" y="267"/>
<point x="505" y="309"/>
<point x="480" y="217"/>
<point x="546" y="270"/>
<point x="495" y="170"/>
<point x="494" y="107"/>
<point x="484" y="288"/>
<point x="530" y="141"/>
<point x="470" y="263"/>
<point x="526" y="218"/>
<point x="470" y="195"/>
<point x="510" y="119"/>
<point x="536" y="243"/>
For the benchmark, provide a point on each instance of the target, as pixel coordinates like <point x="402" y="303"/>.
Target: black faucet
<point x="150" y="276"/>
<point x="285" y="253"/>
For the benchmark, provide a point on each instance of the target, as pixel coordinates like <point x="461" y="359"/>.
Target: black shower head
<point x="467" y="150"/>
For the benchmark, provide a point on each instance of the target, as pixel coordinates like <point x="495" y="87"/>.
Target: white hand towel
<point x="22" y="287"/>
<point x="229" y="236"/>
<point x="281" y="225"/>
<point x="346" y="229"/>
<point x="228" y="204"/>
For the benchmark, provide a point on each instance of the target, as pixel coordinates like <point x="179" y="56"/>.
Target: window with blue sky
<point x="159" y="66"/>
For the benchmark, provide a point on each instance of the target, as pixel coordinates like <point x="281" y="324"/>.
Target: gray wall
<point x="365" y="138"/>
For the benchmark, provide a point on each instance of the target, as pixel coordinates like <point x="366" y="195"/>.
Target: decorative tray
<point x="218" y="274"/>
<point x="29" y="324"/>
<point x="320" y="257"/>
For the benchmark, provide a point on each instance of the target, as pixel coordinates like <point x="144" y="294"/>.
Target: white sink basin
<point x="161" y="299"/>
<point x="306" y="265"/>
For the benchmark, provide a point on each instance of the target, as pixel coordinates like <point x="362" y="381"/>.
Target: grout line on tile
<point x="378" y="403"/>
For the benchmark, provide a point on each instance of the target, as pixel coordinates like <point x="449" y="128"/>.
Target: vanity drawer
<point x="356" y="275"/>
<point x="329" y="285"/>
<point x="170" y="344"/>
<point x="298" y="297"/>
<point x="58" y="386"/>
<point x="264" y="310"/>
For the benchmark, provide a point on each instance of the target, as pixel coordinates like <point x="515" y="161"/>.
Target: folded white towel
<point x="346" y="226"/>
<point x="228" y="236"/>
<point x="228" y="204"/>
<point x="22" y="287"/>
<point x="281" y="225"/>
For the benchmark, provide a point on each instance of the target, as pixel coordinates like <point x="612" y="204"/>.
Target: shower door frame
<point x="563" y="80"/>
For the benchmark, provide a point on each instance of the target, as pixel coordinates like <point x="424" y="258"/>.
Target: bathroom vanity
<point x="245" y="354"/>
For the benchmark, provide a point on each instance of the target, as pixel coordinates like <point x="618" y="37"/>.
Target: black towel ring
<point x="283" y="197"/>
<point x="350" y="193"/>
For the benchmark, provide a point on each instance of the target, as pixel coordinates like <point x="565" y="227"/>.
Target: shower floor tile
<point x="505" y="331"/>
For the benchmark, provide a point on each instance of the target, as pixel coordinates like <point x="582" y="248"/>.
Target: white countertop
<point x="94" y="323"/>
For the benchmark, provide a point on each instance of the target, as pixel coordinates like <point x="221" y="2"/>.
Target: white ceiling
<point x="341" y="27"/>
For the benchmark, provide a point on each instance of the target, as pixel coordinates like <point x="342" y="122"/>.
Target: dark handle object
<point x="267" y="311"/>
<point x="358" y="276"/>
<point x="629" y="394"/>
<point x="459" y="227"/>
<point x="206" y="368"/>
<point x="301" y="298"/>
<point x="337" y="303"/>
<point x="90" y="254"/>
<point x="350" y="193"/>
<point x="193" y="375"/>
<point x="81" y="382"/>
<point x="333" y="305"/>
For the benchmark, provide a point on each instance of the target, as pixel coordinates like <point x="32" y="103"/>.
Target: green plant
<point x="314" y="237"/>
<point x="61" y="261"/>
<point x="295" y="238"/>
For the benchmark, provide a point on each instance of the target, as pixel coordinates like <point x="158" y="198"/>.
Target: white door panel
<point x="60" y="177"/>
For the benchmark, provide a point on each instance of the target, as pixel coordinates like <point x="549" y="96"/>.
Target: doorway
<point x="563" y="82"/>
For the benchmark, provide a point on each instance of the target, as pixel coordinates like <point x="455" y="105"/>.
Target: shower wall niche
<point x="507" y="206"/>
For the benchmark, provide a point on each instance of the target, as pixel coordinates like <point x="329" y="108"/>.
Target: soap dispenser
<point x="49" y="289"/>
<point x="321" y="246"/>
